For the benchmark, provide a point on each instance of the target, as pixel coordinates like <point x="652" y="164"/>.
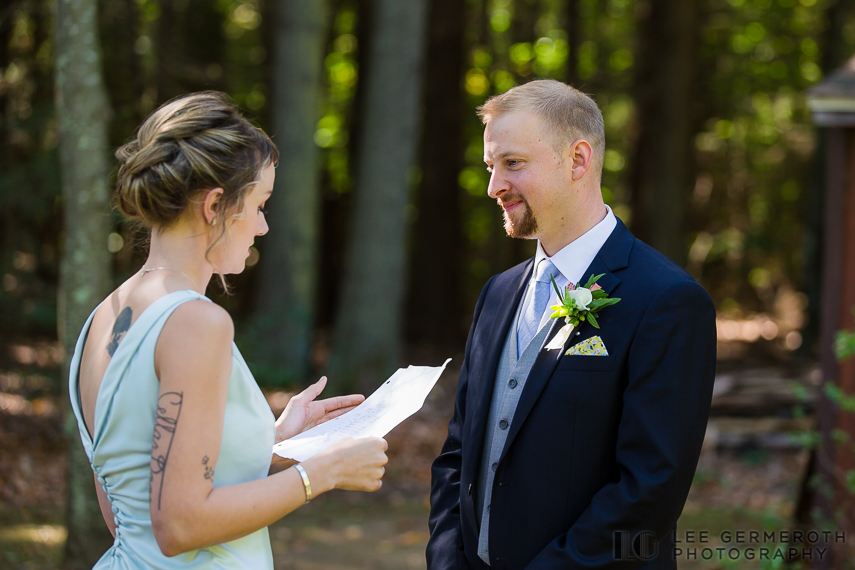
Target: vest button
<point x="512" y="383"/>
<point x="503" y="424"/>
<point x="494" y="466"/>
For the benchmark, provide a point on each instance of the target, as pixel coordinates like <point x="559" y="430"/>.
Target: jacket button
<point x="469" y="490"/>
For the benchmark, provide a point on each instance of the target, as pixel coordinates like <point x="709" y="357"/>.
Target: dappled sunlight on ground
<point x="743" y="480"/>
<point x="330" y="535"/>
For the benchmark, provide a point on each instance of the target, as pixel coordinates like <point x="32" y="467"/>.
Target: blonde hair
<point x="567" y="113"/>
<point x="189" y="145"/>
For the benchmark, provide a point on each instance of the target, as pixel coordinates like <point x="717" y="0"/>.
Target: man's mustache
<point x="502" y="200"/>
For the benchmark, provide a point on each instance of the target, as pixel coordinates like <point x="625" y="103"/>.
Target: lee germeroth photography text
<point x="732" y="544"/>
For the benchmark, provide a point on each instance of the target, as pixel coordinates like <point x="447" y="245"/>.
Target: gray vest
<point x="510" y="381"/>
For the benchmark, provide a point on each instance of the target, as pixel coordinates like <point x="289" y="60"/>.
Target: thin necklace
<point x="195" y="287"/>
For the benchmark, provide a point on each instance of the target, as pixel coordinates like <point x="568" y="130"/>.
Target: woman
<point x="178" y="434"/>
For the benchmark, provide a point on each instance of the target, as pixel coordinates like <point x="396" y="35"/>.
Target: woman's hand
<point x="350" y="464"/>
<point x="303" y="412"/>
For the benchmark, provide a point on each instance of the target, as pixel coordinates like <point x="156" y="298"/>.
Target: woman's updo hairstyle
<point x="189" y="145"/>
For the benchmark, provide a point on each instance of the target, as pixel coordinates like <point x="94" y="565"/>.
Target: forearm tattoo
<point x="165" y="423"/>
<point x="209" y="471"/>
<point x="120" y="327"/>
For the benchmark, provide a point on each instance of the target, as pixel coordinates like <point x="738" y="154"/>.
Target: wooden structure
<point x="832" y="104"/>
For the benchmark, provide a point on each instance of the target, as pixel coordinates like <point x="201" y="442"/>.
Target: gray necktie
<point x="533" y="312"/>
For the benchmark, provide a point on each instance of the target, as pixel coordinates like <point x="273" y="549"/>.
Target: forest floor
<point x="743" y="482"/>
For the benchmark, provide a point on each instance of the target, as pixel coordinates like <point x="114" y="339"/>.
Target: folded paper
<point x="399" y="397"/>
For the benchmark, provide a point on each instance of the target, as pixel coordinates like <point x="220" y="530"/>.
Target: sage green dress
<point x="120" y="452"/>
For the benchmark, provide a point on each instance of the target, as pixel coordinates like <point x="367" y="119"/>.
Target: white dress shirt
<point x="572" y="260"/>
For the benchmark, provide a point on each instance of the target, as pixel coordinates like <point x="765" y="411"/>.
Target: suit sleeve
<point x="666" y="403"/>
<point x="445" y="546"/>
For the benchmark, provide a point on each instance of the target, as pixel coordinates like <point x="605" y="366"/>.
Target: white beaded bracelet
<point x="306" y="485"/>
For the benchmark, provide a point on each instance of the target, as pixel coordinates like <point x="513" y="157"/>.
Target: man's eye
<point x="513" y="163"/>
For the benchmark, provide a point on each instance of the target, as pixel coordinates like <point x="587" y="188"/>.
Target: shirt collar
<point x="574" y="258"/>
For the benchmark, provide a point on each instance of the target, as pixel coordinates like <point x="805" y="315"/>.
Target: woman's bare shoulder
<point x="200" y="320"/>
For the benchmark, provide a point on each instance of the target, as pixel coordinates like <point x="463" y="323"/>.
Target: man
<point x="579" y="457"/>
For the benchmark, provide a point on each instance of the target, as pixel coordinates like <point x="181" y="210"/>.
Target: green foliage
<point x="342" y="75"/>
<point x="836" y="395"/>
<point x="249" y="339"/>
<point x="850" y="481"/>
<point x="844" y="345"/>
<point x="30" y="216"/>
<point x="808" y="439"/>
<point x="759" y="57"/>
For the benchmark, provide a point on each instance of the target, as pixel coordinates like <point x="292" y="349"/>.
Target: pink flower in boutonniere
<point x="595" y="287"/>
<point x="571" y="287"/>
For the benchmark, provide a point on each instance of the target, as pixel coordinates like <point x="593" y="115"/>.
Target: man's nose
<point x="497" y="185"/>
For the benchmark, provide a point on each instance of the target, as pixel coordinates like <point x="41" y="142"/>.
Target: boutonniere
<point x="578" y="304"/>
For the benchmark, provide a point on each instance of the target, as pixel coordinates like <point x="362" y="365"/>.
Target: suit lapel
<point x="491" y="337"/>
<point x="612" y="256"/>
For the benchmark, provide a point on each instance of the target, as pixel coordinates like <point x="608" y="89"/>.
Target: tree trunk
<point x="573" y="27"/>
<point x="434" y="303"/>
<point x="286" y="291"/>
<point x="6" y="215"/>
<point x="83" y="115"/>
<point x="663" y="165"/>
<point x="367" y="340"/>
<point x="124" y="76"/>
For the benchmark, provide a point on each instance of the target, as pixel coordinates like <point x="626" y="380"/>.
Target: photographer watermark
<point x="728" y="545"/>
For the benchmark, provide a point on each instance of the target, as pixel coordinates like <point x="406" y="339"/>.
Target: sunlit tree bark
<point x="284" y="307"/>
<point x="83" y="115"/>
<point x="367" y="338"/>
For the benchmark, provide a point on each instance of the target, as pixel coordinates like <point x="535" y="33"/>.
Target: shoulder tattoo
<point x="120" y="327"/>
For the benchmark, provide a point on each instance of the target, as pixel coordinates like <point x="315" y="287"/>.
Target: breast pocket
<point x="576" y="362"/>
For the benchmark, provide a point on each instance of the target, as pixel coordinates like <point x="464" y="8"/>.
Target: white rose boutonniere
<point x="578" y="304"/>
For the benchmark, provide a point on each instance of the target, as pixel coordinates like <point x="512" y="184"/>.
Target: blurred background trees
<point x="381" y="232"/>
<point x="709" y="149"/>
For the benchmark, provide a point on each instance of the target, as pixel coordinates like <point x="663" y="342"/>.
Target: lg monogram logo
<point x="635" y="546"/>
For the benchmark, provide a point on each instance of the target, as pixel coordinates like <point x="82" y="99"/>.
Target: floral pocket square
<point x="590" y="347"/>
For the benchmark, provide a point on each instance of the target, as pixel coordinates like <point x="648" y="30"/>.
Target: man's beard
<point x="524" y="228"/>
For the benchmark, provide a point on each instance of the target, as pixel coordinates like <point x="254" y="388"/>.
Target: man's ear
<point x="581" y="157"/>
<point x="211" y="206"/>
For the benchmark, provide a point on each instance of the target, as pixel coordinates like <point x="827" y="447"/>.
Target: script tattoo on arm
<point x="209" y="471"/>
<point x="120" y="327"/>
<point x="165" y="423"/>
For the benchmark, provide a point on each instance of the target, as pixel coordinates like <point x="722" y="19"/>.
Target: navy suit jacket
<point x="598" y="445"/>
